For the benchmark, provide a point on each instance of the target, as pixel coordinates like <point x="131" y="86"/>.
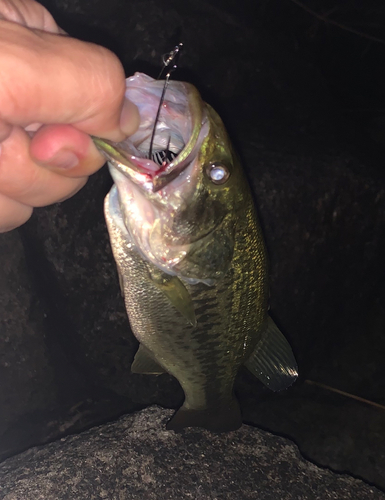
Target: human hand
<point x="54" y="92"/>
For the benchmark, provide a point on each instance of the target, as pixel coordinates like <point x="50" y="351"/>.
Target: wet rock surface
<point x="135" y="457"/>
<point x="65" y="342"/>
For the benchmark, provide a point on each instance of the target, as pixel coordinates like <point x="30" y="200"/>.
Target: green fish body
<point x="191" y="256"/>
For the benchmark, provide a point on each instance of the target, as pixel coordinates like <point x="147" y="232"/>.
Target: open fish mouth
<point x="158" y="152"/>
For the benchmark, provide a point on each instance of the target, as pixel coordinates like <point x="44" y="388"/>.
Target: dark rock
<point x="137" y="458"/>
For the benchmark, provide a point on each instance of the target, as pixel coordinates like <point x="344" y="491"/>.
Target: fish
<point x="191" y="256"/>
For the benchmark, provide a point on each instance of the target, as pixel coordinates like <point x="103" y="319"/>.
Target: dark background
<point x="303" y="100"/>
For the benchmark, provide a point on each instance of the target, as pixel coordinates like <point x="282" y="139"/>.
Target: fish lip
<point x="120" y="157"/>
<point x="141" y="170"/>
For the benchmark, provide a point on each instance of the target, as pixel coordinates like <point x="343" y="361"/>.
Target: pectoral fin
<point x="176" y="293"/>
<point x="272" y="361"/>
<point x="144" y="363"/>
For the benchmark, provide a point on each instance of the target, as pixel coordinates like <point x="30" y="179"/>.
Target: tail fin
<point x="223" y="418"/>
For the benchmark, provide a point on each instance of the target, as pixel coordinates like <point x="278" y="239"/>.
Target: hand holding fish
<point x="55" y="92"/>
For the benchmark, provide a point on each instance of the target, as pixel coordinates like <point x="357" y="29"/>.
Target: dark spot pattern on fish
<point x="204" y="308"/>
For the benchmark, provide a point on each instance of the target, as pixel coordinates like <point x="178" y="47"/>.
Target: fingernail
<point x="129" y="118"/>
<point x="64" y="159"/>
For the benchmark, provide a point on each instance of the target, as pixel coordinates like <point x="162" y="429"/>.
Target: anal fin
<point x="272" y="361"/>
<point x="144" y="363"/>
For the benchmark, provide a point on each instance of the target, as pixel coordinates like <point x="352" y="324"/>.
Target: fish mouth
<point x="176" y="139"/>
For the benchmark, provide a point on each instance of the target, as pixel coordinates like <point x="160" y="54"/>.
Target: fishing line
<point x="343" y="393"/>
<point x="170" y="61"/>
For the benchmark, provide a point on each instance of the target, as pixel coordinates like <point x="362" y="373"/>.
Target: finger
<point x="12" y="213"/>
<point x="83" y="83"/>
<point x="25" y="181"/>
<point x="65" y="150"/>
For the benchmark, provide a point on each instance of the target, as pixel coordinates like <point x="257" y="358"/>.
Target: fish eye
<point x="218" y="172"/>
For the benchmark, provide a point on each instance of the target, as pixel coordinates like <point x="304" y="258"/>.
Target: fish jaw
<point x="181" y="120"/>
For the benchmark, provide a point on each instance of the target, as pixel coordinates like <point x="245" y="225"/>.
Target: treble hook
<point x="170" y="61"/>
<point x="171" y="58"/>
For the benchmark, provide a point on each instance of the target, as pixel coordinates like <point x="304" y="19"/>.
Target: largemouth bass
<point x="191" y="256"/>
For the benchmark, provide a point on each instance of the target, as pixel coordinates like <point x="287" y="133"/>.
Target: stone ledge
<point x="136" y="458"/>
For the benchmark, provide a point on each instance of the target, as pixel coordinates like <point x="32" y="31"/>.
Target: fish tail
<point x="223" y="418"/>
